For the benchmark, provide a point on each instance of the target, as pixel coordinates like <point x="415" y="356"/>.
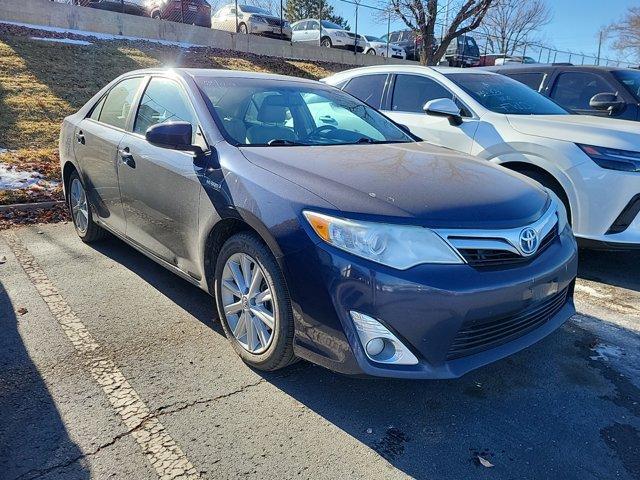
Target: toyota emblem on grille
<point x="528" y="241"/>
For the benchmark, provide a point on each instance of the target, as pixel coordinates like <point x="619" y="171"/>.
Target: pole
<point x="524" y="53"/>
<point x="320" y="23"/>
<point x="388" y="31"/>
<point x="236" y="15"/>
<point x="599" y="48"/>
<point x="540" y="56"/>
<point x="355" y="39"/>
<point x="555" y="55"/>
<point x="281" y="19"/>
<point x="549" y="56"/>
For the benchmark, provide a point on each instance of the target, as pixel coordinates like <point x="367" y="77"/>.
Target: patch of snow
<point x="606" y="352"/>
<point x="12" y="179"/>
<point x="99" y="36"/>
<point x="62" y="40"/>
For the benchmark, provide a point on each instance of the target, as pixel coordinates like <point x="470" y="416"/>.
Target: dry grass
<point x="42" y="82"/>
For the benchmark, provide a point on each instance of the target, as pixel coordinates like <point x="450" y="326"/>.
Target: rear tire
<point x="258" y="319"/>
<point x="80" y="211"/>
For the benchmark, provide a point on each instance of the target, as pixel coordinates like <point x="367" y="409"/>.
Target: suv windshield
<point x="631" y="80"/>
<point x="266" y="112"/>
<point x="504" y="95"/>
<point x="252" y="9"/>
<point x="334" y="26"/>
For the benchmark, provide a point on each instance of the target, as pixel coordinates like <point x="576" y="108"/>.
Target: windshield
<point x="371" y="38"/>
<point x="252" y="9"/>
<point x="631" y="80"/>
<point x="265" y="112"/>
<point x="326" y="24"/>
<point x="502" y="94"/>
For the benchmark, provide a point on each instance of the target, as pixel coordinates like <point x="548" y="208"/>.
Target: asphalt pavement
<point x="112" y="367"/>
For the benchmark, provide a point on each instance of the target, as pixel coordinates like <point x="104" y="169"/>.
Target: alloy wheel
<point x="79" y="206"/>
<point x="248" y="303"/>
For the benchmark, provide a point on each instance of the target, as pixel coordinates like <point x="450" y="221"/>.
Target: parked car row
<point x="194" y="12"/>
<point x="329" y="223"/>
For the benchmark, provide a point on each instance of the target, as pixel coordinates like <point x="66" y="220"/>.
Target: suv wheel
<point x="80" y="211"/>
<point x="326" y="42"/>
<point x="253" y="303"/>
<point x="242" y="28"/>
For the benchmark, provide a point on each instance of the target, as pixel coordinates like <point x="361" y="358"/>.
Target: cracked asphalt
<point x="113" y="368"/>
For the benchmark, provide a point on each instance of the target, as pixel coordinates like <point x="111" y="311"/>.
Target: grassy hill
<point x="41" y="82"/>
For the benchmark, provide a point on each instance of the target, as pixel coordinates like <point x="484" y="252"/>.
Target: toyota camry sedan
<point x="323" y="230"/>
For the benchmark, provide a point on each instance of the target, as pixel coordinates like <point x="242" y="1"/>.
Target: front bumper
<point x="601" y="199"/>
<point x="270" y="30"/>
<point x="426" y="307"/>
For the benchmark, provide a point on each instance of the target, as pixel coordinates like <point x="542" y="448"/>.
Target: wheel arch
<point x="67" y="171"/>
<point x="224" y="229"/>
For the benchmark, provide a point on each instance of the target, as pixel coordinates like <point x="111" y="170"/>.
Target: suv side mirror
<point x="444" y="107"/>
<point x="606" y="101"/>
<point x="172" y="135"/>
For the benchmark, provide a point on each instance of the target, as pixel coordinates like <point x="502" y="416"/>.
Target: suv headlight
<point x="397" y="246"/>
<point x="613" y="159"/>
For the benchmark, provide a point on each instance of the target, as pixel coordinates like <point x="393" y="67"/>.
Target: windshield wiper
<point x="281" y="141"/>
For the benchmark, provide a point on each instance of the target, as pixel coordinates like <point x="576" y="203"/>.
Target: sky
<point x="574" y="27"/>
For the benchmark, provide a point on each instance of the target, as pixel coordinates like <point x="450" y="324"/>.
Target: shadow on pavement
<point x="551" y="411"/>
<point x="33" y="437"/>
<point x="616" y="268"/>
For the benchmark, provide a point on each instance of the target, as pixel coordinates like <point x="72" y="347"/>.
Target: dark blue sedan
<point x="324" y="230"/>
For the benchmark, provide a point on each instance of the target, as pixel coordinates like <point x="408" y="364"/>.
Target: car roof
<point x="546" y="66"/>
<point x="217" y="72"/>
<point x="403" y="68"/>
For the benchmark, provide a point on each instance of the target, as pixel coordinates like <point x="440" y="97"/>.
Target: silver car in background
<point x="377" y="46"/>
<point x="256" y="20"/>
<point x="326" y="34"/>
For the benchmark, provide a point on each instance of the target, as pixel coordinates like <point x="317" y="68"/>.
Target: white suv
<point x="592" y="164"/>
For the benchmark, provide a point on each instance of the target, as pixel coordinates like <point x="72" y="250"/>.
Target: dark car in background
<point x="408" y="40"/>
<point x="587" y="90"/>
<point x="193" y="12"/>
<point x="324" y="230"/>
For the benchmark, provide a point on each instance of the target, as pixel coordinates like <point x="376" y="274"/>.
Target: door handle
<point x="126" y="157"/>
<point x="80" y="137"/>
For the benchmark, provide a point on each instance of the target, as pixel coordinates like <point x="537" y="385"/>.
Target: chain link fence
<point x="269" y="18"/>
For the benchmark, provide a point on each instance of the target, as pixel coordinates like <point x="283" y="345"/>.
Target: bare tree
<point x="626" y="33"/>
<point x="511" y="24"/>
<point x="421" y="17"/>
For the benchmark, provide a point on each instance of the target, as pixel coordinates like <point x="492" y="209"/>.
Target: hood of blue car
<point x="414" y="183"/>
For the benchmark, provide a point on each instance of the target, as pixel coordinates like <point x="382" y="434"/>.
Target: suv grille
<point x="478" y="257"/>
<point x="475" y="338"/>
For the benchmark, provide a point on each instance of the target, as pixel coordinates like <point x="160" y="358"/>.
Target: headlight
<point x="613" y="159"/>
<point x="398" y="246"/>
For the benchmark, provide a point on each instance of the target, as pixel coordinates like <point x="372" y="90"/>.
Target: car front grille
<point x="478" y="337"/>
<point x="479" y="257"/>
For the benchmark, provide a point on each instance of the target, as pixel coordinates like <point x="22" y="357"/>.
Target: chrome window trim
<point x="507" y="240"/>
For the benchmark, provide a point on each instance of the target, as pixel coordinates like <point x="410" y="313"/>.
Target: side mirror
<point x="172" y="135"/>
<point x="444" y="107"/>
<point x="606" y="101"/>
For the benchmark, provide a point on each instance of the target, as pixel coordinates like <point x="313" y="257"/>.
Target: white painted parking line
<point x="164" y="454"/>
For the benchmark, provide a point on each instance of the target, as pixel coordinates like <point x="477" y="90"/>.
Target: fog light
<point x="379" y="344"/>
<point x="375" y="347"/>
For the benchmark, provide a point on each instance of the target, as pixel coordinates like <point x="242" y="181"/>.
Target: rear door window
<point x="411" y="92"/>
<point x="117" y="105"/>
<point x="573" y="90"/>
<point x="530" y="79"/>
<point x="367" y="88"/>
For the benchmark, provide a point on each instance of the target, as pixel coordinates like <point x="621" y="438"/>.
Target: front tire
<point x="242" y="28"/>
<point x="371" y="51"/>
<point x="552" y="184"/>
<point x="253" y="303"/>
<point x="80" y="211"/>
<point x="326" y="42"/>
